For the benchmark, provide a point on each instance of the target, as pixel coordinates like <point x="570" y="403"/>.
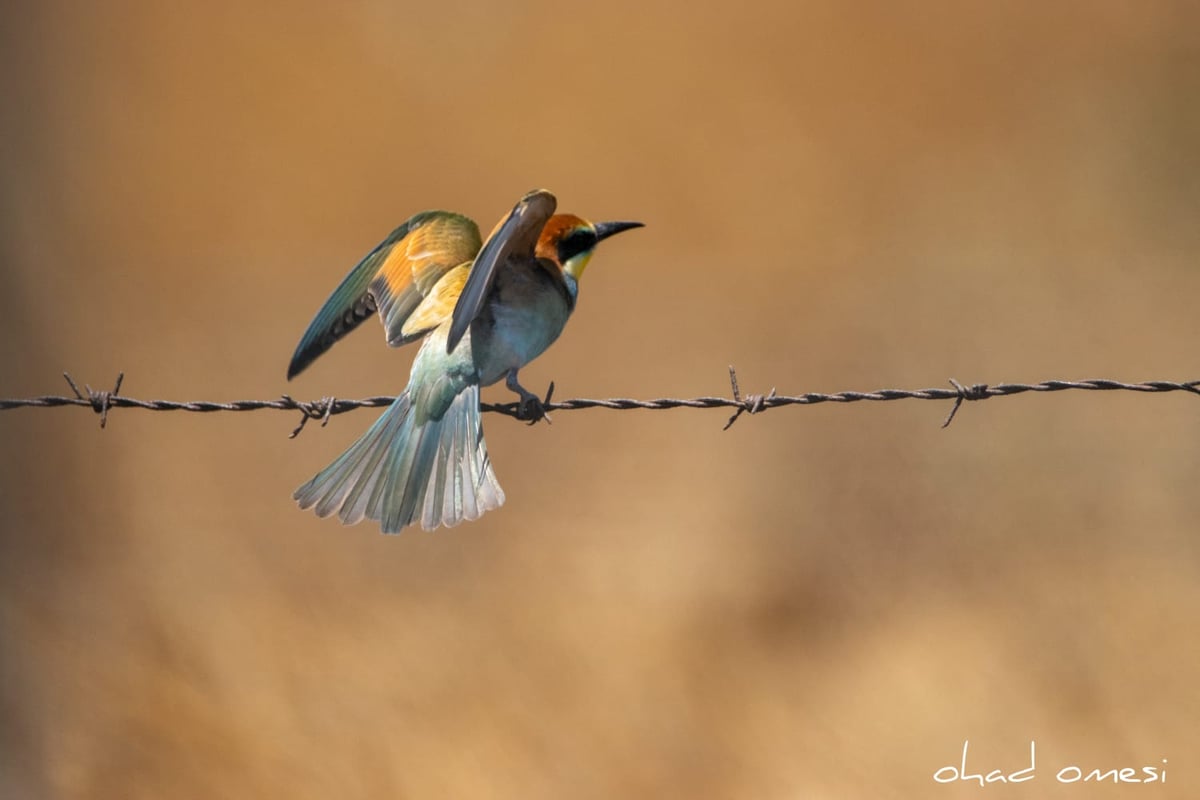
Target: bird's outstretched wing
<point x="516" y="235"/>
<point x="393" y="279"/>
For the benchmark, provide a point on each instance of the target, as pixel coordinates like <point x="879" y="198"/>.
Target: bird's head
<point x="569" y="241"/>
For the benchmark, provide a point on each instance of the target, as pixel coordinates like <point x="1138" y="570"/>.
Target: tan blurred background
<point x="822" y="602"/>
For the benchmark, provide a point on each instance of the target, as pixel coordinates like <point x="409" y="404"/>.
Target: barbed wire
<point x="102" y="401"/>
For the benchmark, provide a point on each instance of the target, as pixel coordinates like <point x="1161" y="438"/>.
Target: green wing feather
<point x="392" y="279"/>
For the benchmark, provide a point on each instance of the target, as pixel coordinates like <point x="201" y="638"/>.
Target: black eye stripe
<point x="574" y="243"/>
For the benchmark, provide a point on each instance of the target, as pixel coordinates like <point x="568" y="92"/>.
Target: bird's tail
<point x="435" y="471"/>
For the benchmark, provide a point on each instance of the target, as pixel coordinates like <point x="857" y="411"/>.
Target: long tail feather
<point x="436" y="472"/>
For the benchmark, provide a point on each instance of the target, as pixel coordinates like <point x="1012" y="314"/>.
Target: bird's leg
<point x="531" y="408"/>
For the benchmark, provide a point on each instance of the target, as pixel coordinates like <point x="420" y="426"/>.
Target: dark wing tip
<point x="297" y="366"/>
<point x="458" y="329"/>
<point x="309" y="349"/>
<point x="335" y="319"/>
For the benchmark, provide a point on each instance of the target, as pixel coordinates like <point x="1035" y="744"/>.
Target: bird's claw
<point x="531" y="408"/>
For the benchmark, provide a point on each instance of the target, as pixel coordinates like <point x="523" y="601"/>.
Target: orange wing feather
<point x="438" y="304"/>
<point x="413" y="268"/>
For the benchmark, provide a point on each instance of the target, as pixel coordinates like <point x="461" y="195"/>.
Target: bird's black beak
<point x="607" y="229"/>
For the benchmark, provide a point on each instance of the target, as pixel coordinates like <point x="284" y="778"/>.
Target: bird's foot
<point x="530" y="408"/>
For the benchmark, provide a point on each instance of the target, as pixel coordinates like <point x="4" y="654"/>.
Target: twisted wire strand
<point x="102" y="401"/>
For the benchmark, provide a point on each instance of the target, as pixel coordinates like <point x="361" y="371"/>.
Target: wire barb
<point x="102" y="401"/>
<point x="318" y="409"/>
<point x="977" y="391"/>
<point x="750" y="404"/>
<point x="99" y="401"/>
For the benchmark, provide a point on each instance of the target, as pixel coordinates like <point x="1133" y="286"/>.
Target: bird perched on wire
<point x="484" y="311"/>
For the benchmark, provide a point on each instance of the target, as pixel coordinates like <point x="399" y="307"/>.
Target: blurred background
<point x="821" y="602"/>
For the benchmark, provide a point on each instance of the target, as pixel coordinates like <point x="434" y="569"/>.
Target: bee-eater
<point x="483" y="312"/>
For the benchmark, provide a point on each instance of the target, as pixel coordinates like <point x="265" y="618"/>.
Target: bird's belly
<point x="517" y="330"/>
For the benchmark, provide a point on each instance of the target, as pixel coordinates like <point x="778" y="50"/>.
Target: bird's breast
<point x="525" y="313"/>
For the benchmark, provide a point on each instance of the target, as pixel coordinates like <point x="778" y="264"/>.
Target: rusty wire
<point x="103" y="401"/>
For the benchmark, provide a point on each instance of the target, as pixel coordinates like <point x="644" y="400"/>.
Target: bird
<point x="483" y="310"/>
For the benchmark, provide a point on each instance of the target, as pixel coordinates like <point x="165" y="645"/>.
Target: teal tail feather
<point x="436" y="472"/>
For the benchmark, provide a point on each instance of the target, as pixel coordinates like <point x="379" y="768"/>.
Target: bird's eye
<point x="574" y="243"/>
